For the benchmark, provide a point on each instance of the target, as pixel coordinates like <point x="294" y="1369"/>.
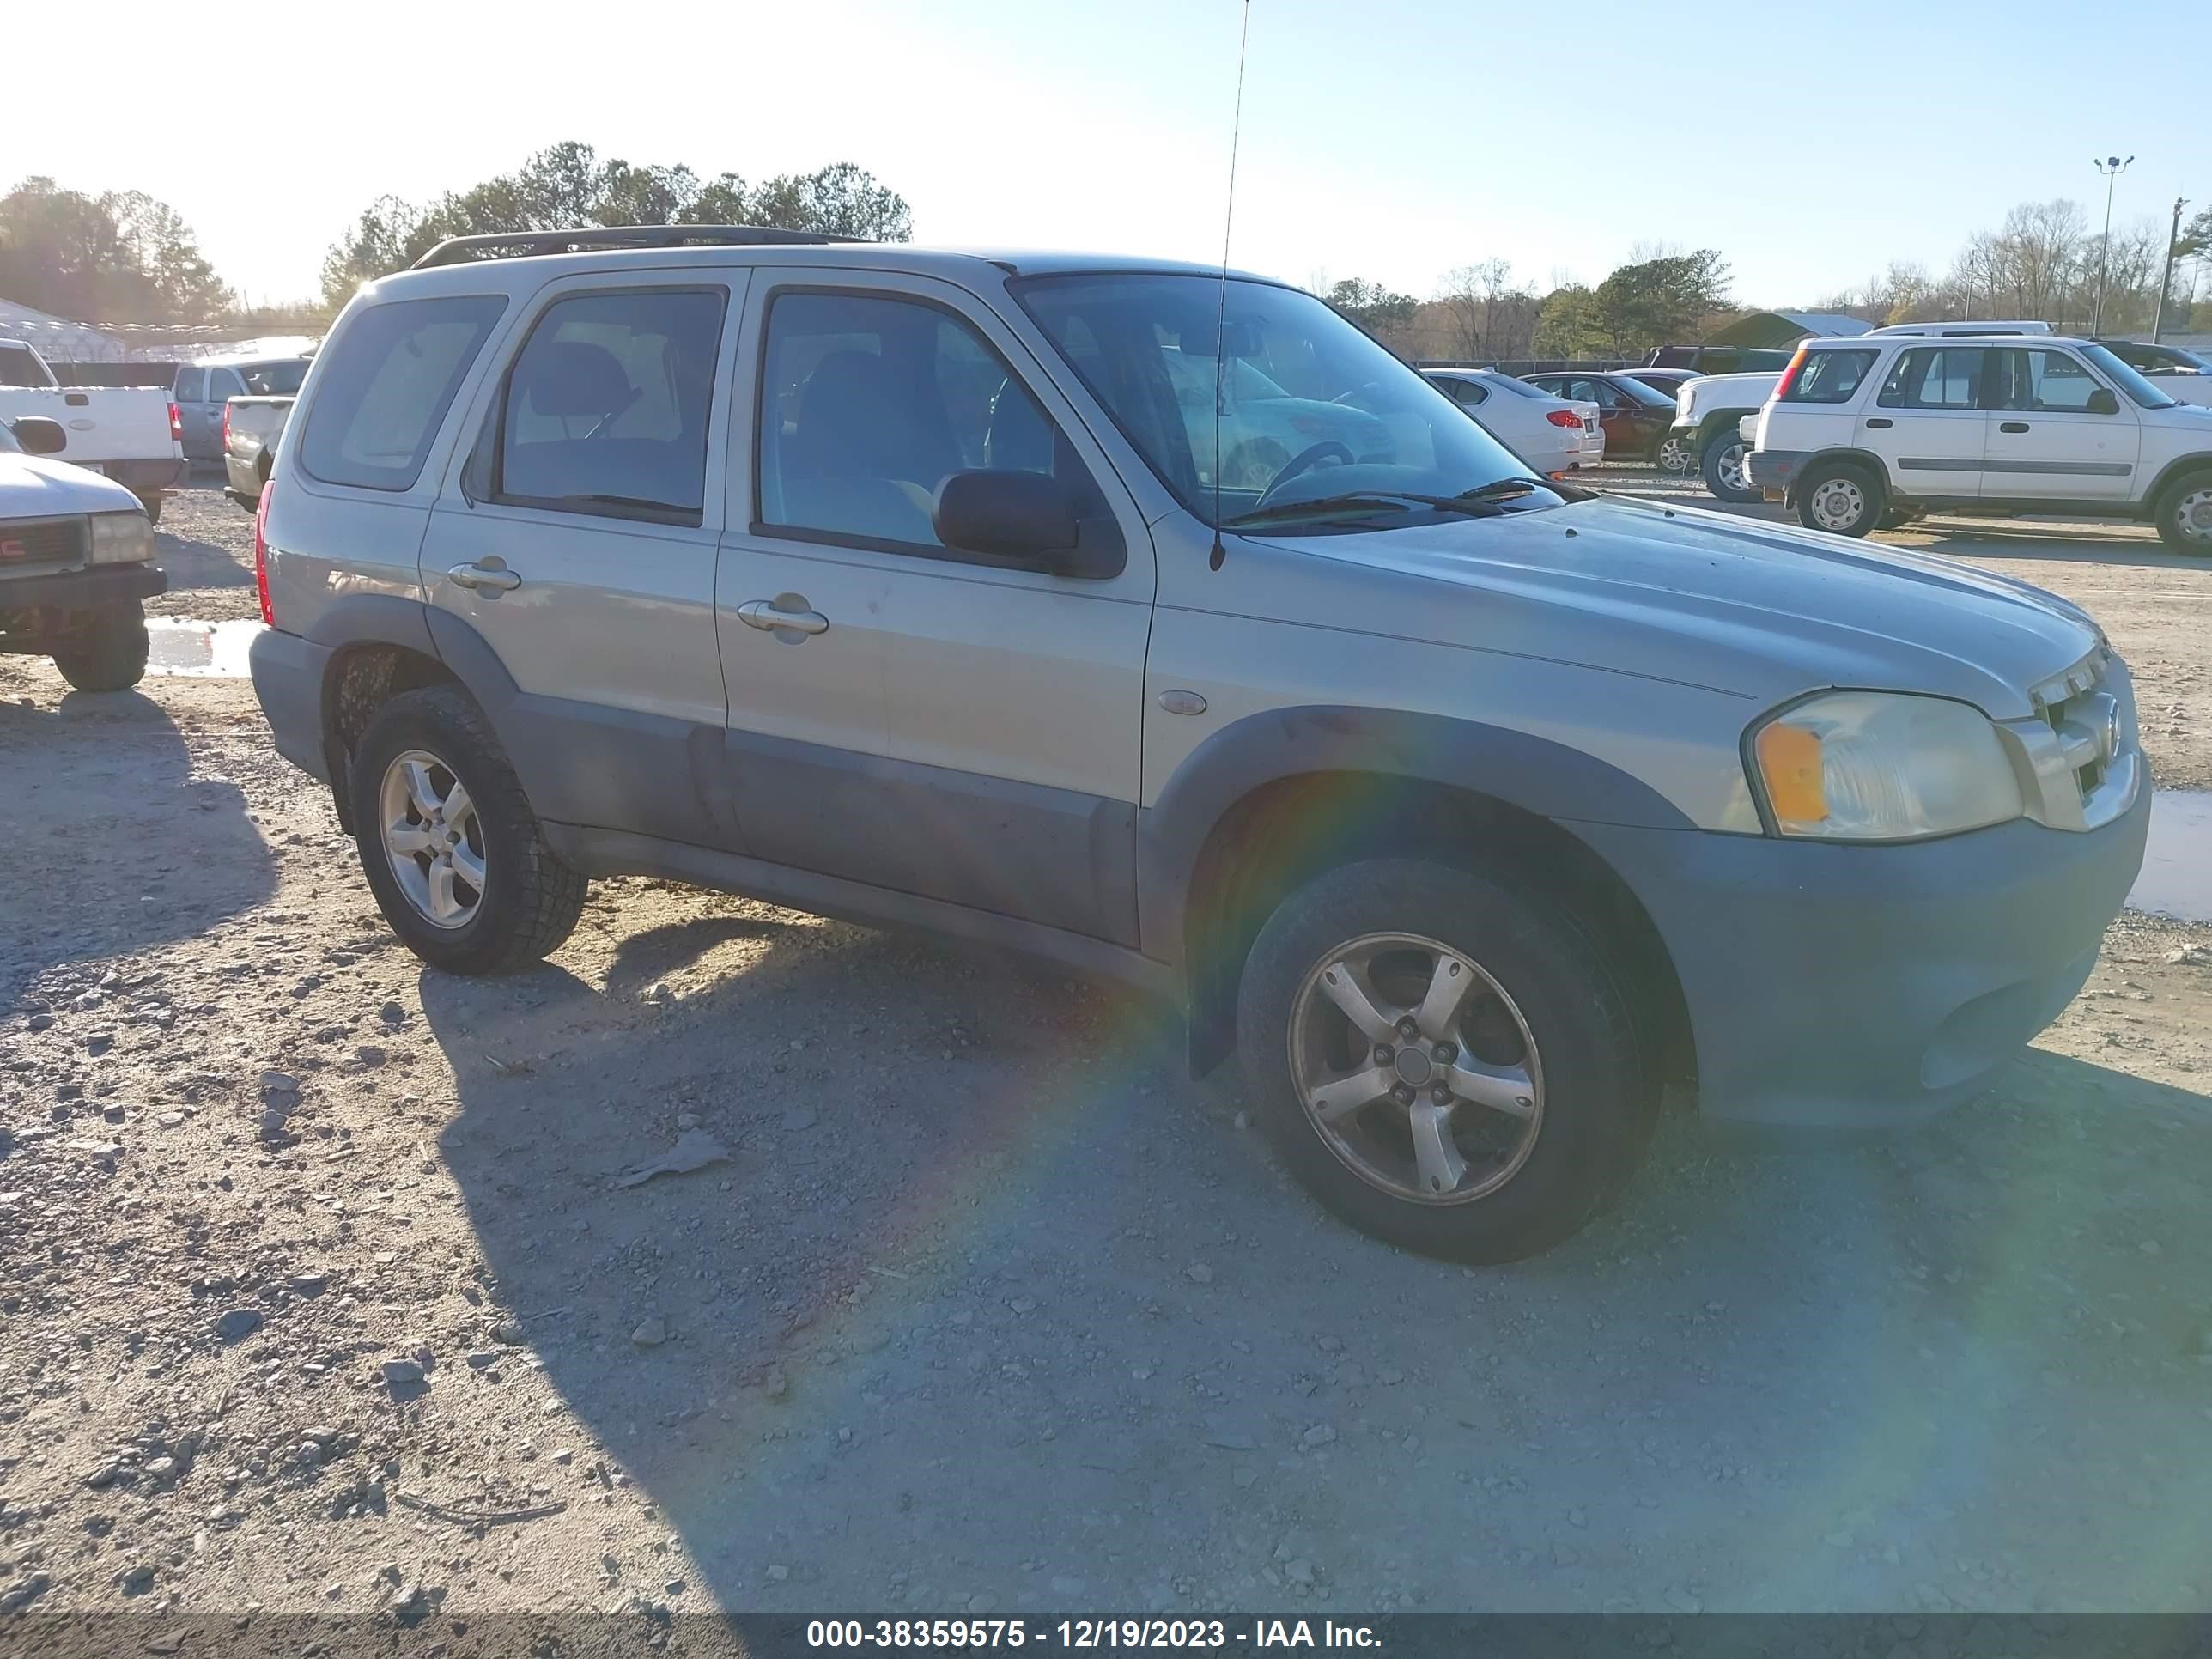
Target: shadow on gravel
<point x="191" y="563"/>
<point x="991" y="1308"/>
<point x="2060" y="542"/>
<point x="112" y="844"/>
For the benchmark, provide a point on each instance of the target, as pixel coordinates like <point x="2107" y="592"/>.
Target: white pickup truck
<point x="128" y="433"/>
<point x="1707" y="411"/>
<point x="76" y="561"/>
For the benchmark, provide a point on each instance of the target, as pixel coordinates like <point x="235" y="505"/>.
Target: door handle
<point x="1880" y="421"/>
<point x="486" y="574"/>
<point x="785" y="616"/>
<point x="2012" y="426"/>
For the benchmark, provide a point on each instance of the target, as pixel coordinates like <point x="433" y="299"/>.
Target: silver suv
<point x="912" y="588"/>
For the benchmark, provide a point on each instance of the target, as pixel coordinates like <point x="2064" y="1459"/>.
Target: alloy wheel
<point x="1730" y="466"/>
<point x="1415" y="1068"/>
<point x="432" y="838"/>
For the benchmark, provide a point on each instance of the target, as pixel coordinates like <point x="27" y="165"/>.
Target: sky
<point x="1385" y="139"/>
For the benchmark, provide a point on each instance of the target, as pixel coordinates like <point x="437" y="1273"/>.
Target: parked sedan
<point x="1552" y="434"/>
<point x="1634" y="416"/>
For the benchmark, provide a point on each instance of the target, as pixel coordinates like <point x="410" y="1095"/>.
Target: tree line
<point x="2042" y="263"/>
<point x="567" y="185"/>
<point x="123" y="256"/>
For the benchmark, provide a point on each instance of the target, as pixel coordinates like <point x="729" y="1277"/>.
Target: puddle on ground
<point x="178" y="645"/>
<point x="2177" y="871"/>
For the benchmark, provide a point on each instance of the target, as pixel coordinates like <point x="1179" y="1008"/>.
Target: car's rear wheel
<point x="1844" y="500"/>
<point x="1443" y="1060"/>
<point x="2184" y="514"/>
<point x="109" y="653"/>
<point x="1723" y="465"/>
<point x="456" y="859"/>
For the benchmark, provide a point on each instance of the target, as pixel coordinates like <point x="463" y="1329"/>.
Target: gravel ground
<point x="322" y="1286"/>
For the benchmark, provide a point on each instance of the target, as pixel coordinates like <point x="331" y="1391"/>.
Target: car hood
<point x="33" y="487"/>
<point x="1757" y="610"/>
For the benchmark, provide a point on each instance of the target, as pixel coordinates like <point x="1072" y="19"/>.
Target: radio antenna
<point x="1221" y="313"/>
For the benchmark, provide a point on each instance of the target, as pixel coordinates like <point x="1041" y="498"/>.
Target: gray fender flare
<point x="1535" y="775"/>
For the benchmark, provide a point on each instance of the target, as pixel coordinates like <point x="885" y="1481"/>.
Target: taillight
<point x="1563" y="418"/>
<point x="177" y="424"/>
<point x="261" y="553"/>
<point x="226" y="426"/>
<point x="1790" y="375"/>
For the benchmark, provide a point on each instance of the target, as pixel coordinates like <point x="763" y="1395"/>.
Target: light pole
<point x="2165" y="278"/>
<point x="2112" y="166"/>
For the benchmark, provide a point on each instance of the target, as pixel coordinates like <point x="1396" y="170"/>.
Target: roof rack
<point x="457" y="250"/>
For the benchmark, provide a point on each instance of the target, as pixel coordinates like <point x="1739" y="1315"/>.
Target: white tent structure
<point x="60" y="341"/>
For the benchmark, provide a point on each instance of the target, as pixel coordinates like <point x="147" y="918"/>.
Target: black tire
<point x="530" y="900"/>
<point x="1716" y="455"/>
<point x="109" y="655"/>
<point x="2193" y="534"/>
<point x="1842" y="499"/>
<point x="151" y="501"/>
<point x="1598" y="1099"/>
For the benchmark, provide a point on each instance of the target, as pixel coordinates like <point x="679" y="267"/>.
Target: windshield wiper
<point x="1401" y="500"/>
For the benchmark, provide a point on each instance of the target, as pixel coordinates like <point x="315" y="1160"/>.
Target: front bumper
<point x="82" y="590"/>
<point x="1774" y="470"/>
<point x="1834" y="987"/>
<point x="288" y="678"/>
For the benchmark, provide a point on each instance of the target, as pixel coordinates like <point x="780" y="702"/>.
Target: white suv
<point x="1860" y="428"/>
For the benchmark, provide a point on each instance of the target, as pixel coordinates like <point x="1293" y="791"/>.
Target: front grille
<point x="2086" y="766"/>
<point x="40" y="541"/>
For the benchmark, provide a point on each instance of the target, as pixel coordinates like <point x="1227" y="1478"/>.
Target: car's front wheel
<point x="1724" y="464"/>
<point x="109" y="653"/>
<point x="1844" y="500"/>
<point x="1673" y="457"/>
<point x="456" y="859"/>
<point x="2184" y="514"/>
<point x="1443" y="1059"/>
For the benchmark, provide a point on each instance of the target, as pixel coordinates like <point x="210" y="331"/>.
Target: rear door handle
<point x="772" y="615"/>
<point x="1880" y="421"/>
<point x="485" y="574"/>
<point x="2012" y="426"/>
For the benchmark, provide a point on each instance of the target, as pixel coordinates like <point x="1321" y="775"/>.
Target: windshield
<point x="1512" y="385"/>
<point x="1318" y="423"/>
<point x="277" y="379"/>
<point x="2130" y="382"/>
<point x="1629" y="386"/>
<point x="7" y="444"/>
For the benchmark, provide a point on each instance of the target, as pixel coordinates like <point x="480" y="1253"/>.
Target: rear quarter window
<point x="389" y="379"/>
<point x="1831" y="377"/>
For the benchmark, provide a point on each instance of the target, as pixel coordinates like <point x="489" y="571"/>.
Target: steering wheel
<point x="1301" y="462"/>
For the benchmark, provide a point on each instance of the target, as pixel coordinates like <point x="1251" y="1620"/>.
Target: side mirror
<point x="39" y="436"/>
<point x="1025" y="518"/>
<point x="2103" y="401"/>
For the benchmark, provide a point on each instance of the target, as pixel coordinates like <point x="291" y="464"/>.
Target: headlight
<point x="121" y="539"/>
<point x="1883" y="766"/>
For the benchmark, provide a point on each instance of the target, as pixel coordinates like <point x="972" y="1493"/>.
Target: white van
<point x="1863" y="427"/>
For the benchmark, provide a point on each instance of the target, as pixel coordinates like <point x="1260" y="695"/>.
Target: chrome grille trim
<point x="2077" y="758"/>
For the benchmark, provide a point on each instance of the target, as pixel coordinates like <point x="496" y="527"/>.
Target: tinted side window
<point x="277" y="379"/>
<point x="1936" y="377"/>
<point x="869" y="402"/>
<point x="384" y="392"/>
<point x="608" y="403"/>
<point x="1469" y="393"/>
<point x="1831" y="377"/>
<point x="223" y="384"/>
<point x="190" y="386"/>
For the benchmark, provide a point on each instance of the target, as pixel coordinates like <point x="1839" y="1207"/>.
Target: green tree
<point x="1568" y="324"/>
<point x="1656" y="301"/>
<point x="566" y="186"/>
<point x="119" y="256"/>
<point x="1375" y="308"/>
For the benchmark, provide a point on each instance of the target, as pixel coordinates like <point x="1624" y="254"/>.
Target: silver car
<point x="1466" y="808"/>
